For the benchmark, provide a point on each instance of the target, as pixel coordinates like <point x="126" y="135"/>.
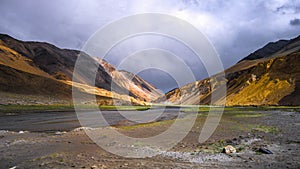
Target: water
<point x="65" y="121"/>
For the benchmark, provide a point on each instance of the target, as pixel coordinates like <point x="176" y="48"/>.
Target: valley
<point x="65" y="146"/>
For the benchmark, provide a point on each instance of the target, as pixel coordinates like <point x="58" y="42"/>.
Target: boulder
<point x="229" y="149"/>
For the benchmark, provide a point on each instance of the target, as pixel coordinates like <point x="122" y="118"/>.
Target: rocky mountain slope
<point x="269" y="76"/>
<point x="41" y="69"/>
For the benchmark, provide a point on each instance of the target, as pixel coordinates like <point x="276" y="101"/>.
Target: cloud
<point x="292" y="8"/>
<point x="295" y="22"/>
<point x="235" y="28"/>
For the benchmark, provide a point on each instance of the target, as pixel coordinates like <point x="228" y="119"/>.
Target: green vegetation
<point x="61" y="107"/>
<point x="254" y="127"/>
<point x="140" y="125"/>
<point x="59" y="157"/>
<point x="266" y="129"/>
<point x="30" y="108"/>
<point x="244" y="114"/>
<point x="124" y="108"/>
<point x="249" y="115"/>
<point x="241" y="112"/>
<point x="194" y="108"/>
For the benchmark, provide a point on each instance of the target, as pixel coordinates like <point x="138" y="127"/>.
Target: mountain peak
<point x="266" y="51"/>
<point x="2" y="36"/>
<point x="273" y="48"/>
<point x="6" y="37"/>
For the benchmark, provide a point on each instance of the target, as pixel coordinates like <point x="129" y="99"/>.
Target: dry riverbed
<point x="249" y="131"/>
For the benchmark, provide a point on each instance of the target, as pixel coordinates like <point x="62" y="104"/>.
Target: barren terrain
<point x="247" y="129"/>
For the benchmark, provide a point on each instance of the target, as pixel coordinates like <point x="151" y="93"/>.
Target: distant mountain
<point x="267" y="50"/>
<point x="42" y="70"/>
<point x="268" y="76"/>
<point x="274" y="48"/>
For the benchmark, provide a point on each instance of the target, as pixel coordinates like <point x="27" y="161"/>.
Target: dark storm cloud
<point x="41" y="21"/>
<point x="235" y="28"/>
<point x="67" y="24"/>
<point x="290" y="8"/>
<point x="295" y="22"/>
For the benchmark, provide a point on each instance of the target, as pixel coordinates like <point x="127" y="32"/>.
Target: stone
<point x="229" y="149"/>
<point x="94" y="167"/>
<point x="228" y="141"/>
<point x="264" y="151"/>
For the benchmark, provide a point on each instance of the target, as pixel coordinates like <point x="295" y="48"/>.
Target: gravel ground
<point x="277" y="131"/>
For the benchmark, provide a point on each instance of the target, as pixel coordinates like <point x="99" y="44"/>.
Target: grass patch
<point x="204" y="108"/>
<point x="25" y="108"/>
<point x="244" y="114"/>
<point x="49" y="156"/>
<point x="202" y="114"/>
<point x="124" y="108"/>
<point x="255" y="127"/>
<point x="266" y="129"/>
<point x="184" y="108"/>
<point x="249" y="115"/>
<point x="212" y="148"/>
<point x="58" y="107"/>
<point x="241" y="127"/>
<point x="140" y="125"/>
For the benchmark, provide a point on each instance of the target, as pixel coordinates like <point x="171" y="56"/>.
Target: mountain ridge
<point x="48" y="61"/>
<point x="268" y="76"/>
<point x="269" y="80"/>
<point x="270" y="49"/>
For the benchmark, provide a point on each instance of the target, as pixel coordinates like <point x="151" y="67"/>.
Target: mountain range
<point x="38" y="72"/>
<point x="41" y="73"/>
<point x="268" y="76"/>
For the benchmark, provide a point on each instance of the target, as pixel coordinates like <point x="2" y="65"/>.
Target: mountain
<point x="278" y="48"/>
<point x="39" y="70"/>
<point x="268" y="76"/>
<point x="267" y="50"/>
<point x="136" y="85"/>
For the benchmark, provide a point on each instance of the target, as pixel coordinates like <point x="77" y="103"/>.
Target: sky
<point x="235" y="28"/>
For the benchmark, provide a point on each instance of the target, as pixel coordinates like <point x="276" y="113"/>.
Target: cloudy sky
<point x="235" y="28"/>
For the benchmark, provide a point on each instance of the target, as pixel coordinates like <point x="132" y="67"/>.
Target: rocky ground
<point x="252" y="134"/>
